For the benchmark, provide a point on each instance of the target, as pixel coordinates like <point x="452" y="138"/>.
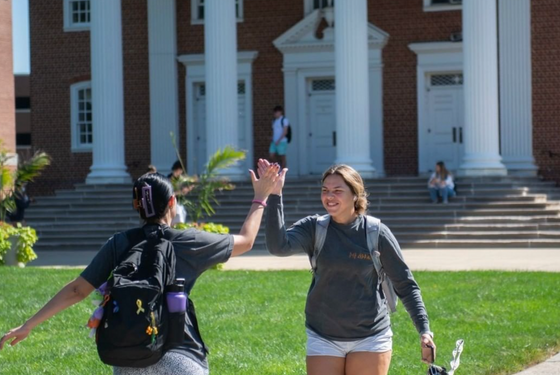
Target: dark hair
<point x="278" y="108"/>
<point x="151" y="169"/>
<point x="443" y="172"/>
<point x="177" y="165"/>
<point x="151" y="194"/>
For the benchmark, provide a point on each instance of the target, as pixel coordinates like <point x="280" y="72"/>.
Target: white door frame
<point x="196" y="74"/>
<point x="433" y="58"/>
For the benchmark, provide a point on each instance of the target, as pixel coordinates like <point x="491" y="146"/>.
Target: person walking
<point x="279" y="144"/>
<point x="347" y="319"/>
<point x="195" y="252"/>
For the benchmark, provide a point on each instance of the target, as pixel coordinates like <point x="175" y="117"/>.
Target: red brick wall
<point x="58" y="59"/>
<point x="7" y="94"/>
<point x="136" y="86"/>
<point x="546" y="87"/>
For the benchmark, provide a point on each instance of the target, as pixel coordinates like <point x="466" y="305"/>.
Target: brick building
<point x="111" y="79"/>
<point x="7" y="95"/>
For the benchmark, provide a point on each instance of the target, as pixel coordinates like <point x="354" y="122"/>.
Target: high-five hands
<point x="267" y="181"/>
<point x="263" y="166"/>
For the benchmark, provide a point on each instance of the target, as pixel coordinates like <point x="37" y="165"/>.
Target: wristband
<point x="257" y="201"/>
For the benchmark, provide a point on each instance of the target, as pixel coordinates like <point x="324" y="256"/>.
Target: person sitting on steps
<point x="441" y="184"/>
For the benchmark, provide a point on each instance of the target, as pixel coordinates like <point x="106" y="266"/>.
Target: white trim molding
<point x="307" y="57"/>
<point x="68" y="15"/>
<point x="75" y="133"/>
<point x="434" y="57"/>
<point x="196" y="74"/>
<point x="429" y="6"/>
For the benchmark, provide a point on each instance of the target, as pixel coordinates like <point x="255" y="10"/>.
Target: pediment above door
<point x="302" y="37"/>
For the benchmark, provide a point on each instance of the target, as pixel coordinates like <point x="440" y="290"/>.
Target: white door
<point x="200" y="125"/>
<point x="322" y="125"/>
<point x="445" y="121"/>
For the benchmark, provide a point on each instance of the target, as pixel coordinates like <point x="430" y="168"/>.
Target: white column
<point x="164" y="94"/>
<point x="352" y="86"/>
<point x="220" y="45"/>
<point x="480" y="43"/>
<point x="107" y="94"/>
<point x="516" y="116"/>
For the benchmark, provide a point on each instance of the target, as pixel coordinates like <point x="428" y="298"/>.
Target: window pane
<point x="90" y="139"/>
<point x="81" y="106"/>
<point x="81" y="117"/>
<point x="83" y="139"/>
<point x="88" y="116"/>
<point x="87" y="94"/>
<point x="75" y="6"/>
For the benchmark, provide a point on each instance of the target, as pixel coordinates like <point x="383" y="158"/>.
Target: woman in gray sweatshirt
<point x="347" y="319"/>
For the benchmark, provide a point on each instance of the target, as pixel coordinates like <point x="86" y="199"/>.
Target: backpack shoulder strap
<point x="372" y="233"/>
<point x="321" y="227"/>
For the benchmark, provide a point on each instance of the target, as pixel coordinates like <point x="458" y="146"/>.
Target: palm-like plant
<point x="202" y="189"/>
<point x="12" y="180"/>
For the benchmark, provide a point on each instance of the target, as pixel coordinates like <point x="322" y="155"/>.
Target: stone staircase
<point x="507" y="212"/>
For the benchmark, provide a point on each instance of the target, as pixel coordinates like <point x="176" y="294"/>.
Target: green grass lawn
<point x="254" y="322"/>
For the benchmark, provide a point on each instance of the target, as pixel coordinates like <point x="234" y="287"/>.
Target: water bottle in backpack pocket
<point x="177" y="302"/>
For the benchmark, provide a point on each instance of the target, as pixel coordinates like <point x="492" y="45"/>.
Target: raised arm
<point x="71" y="294"/>
<point x="279" y="240"/>
<point x="263" y="186"/>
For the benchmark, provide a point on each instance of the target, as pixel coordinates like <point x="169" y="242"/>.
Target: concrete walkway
<point x="549" y="367"/>
<point x="426" y="260"/>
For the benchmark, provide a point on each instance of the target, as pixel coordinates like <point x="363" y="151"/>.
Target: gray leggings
<point x="171" y="364"/>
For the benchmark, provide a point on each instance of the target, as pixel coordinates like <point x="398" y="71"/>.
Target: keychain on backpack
<point x="95" y="318"/>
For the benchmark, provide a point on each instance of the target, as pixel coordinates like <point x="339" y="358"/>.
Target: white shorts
<point x="320" y="346"/>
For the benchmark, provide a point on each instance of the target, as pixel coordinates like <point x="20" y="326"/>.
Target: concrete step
<point x="498" y="212"/>
<point x="479" y="235"/>
<point x="481" y="244"/>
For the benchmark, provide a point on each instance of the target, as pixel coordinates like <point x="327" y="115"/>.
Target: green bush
<point x="26" y="238"/>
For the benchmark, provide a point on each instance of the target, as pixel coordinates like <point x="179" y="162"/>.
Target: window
<point x="76" y="15"/>
<point x="310" y="5"/>
<point x="323" y="85"/>
<point x="441" y="5"/>
<point x="23" y="103"/>
<point x="197" y="11"/>
<point x="81" y="116"/>
<point x="446" y="80"/>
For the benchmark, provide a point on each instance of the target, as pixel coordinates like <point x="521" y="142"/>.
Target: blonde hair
<point x="354" y="181"/>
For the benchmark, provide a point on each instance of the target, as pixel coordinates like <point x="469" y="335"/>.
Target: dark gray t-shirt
<point x="345" y="301"/>
<point x="195" y="251"/>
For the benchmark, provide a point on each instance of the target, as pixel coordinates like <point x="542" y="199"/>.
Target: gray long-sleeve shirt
<point x="345" y="301"/>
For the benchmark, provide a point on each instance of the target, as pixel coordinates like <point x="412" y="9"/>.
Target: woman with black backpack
<point x="194" y="252"/>
<point x="356" y="278"/>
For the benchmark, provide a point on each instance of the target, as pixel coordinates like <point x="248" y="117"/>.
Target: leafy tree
<point x="12" y="180"/>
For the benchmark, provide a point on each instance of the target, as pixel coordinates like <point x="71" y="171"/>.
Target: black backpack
<point x="133" y="330"/>
<point x="289" y="133"/>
